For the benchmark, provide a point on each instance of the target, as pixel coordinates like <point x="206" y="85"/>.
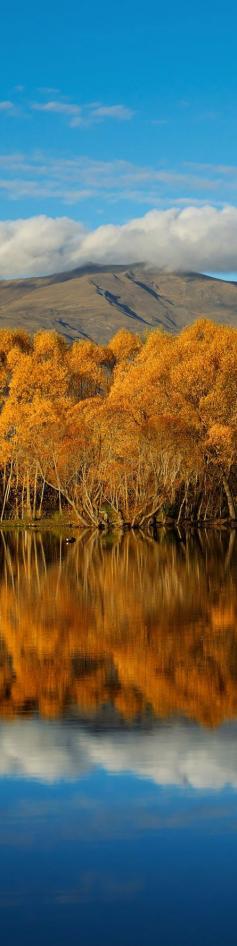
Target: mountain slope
<point x="94" y="302"/>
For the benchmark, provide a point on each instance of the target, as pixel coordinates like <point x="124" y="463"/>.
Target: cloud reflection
<point x="176" y="754"/>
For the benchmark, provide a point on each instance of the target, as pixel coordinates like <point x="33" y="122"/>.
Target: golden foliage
<point x="138" y="430"/>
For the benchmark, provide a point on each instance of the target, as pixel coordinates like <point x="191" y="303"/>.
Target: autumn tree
<point x="131" y="431"/>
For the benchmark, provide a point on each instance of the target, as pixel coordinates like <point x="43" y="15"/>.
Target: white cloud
<point x="73" y="112"/>
<point x="177" y="754"/>
<point x="189" y="239"/>
<point x="214" y="168"/>
<point x="6" y="106"/>
<point x="84" y="114"/>
<point x="63" y="179"/>
<point x="16" y="188"/>
<point x="54" y="106"/>
<point x="39" y="245"/>
<point x="119" y="112"/>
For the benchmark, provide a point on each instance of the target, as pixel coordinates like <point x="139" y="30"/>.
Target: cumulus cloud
<point x="178" y="754"/>
<point x="39" y="245"/>
<point x="190" y="239"/>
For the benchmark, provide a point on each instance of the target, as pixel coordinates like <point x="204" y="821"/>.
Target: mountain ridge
<point x="94" y="302"/>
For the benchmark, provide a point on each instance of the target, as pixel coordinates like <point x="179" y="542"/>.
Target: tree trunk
<point x="229" y="497"/>
<point x="41" y="499"/>
<point x="7" y="491"/>
<point x="28" y="502"/>
<point x="35" y="491"/>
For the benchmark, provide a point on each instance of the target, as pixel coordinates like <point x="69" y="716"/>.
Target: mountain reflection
<point x="146" y="630"/>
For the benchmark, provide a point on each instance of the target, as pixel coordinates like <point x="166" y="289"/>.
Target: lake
<point x="118" y="739"/>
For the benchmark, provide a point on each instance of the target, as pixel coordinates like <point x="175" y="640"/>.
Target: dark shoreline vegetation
<point x="136" y="434"/>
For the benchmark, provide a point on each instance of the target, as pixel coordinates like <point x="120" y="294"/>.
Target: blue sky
<point x="109" y="111"/>
<point x="172" y="69"/>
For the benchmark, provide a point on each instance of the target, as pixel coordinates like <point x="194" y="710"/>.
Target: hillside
<point x="94" y="302"/>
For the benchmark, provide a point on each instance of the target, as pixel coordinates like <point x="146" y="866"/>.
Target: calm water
<point x="118" y="740"/>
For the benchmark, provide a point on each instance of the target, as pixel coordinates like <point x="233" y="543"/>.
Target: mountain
<point x="94" y="302"/>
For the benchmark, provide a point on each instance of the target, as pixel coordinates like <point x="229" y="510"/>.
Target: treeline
<point x="137" y="432"/>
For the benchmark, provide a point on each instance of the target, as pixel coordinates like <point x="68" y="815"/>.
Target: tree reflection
<point x="149" y="628"/>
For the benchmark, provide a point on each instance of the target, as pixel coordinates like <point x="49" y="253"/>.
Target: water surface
<point x="118" y="739"/>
